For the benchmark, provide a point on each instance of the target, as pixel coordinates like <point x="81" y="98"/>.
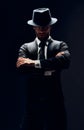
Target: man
<point x="42" y="60"/>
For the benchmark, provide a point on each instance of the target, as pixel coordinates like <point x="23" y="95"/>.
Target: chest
<point x="49" y="51"/>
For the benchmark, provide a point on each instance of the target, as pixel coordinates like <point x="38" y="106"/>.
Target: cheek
<point x="36" y="32"/>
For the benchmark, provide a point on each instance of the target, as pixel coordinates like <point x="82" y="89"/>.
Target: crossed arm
<point x="60" y="60"/>
<point x="31" y="63"/>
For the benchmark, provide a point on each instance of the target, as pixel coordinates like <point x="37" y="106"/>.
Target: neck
<point x="43" y="39"/>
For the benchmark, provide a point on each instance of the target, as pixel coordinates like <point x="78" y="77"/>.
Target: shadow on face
<point x="42" y="32"/>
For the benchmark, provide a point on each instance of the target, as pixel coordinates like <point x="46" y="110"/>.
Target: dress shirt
<point x="45" y="47"/>
<point x="37" y="62"/>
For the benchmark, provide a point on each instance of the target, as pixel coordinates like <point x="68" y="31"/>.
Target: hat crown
<point x="41" y="10"/>
<point x="41" y="16"/>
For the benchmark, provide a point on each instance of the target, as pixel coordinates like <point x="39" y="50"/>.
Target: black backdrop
<point x="15" y="31"/>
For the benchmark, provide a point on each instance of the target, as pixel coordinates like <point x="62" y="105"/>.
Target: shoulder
<point x="55" y="43"/>
<point x="27" y="45"/>
<point x="58" y="42"/>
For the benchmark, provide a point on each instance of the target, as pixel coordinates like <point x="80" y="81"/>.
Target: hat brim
<point x="53" y="21"/>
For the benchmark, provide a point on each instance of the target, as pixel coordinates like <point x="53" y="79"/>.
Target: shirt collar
<point x="38" y="41"/>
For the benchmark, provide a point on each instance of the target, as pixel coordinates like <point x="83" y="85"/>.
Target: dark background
<point x="15" y="31"/>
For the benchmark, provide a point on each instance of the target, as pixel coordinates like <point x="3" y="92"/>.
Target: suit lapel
<point x="33" y="49"/>
<point x="49" y="48"/>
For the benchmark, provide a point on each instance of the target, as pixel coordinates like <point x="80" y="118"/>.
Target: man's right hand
<point x="24" y="61"/>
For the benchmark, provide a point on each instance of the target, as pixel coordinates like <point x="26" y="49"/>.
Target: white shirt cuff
<point x="37" y="64"/>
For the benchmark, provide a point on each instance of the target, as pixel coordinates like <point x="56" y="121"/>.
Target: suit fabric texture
<point x="44" y="109"/>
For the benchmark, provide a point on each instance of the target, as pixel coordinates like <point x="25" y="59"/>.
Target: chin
<point x="43" y="38"/>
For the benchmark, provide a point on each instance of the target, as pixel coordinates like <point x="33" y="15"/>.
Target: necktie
<point x="41" y="50"/>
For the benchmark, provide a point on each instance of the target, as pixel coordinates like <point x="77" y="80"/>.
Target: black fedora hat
<point x="42" y="17"/>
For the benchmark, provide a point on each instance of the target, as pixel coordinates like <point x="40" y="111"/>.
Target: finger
<point x="19" y="63"/>
<point x="60" y="53"/>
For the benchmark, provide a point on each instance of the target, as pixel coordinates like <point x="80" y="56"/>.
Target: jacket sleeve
<point x="58" y="62"/>
<point x="23" y="51"/>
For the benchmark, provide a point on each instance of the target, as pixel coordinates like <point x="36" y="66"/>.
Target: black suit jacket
<point x="29" y="50"/>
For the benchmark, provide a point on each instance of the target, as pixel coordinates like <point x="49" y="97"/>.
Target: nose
<point x="42" y="29"/>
